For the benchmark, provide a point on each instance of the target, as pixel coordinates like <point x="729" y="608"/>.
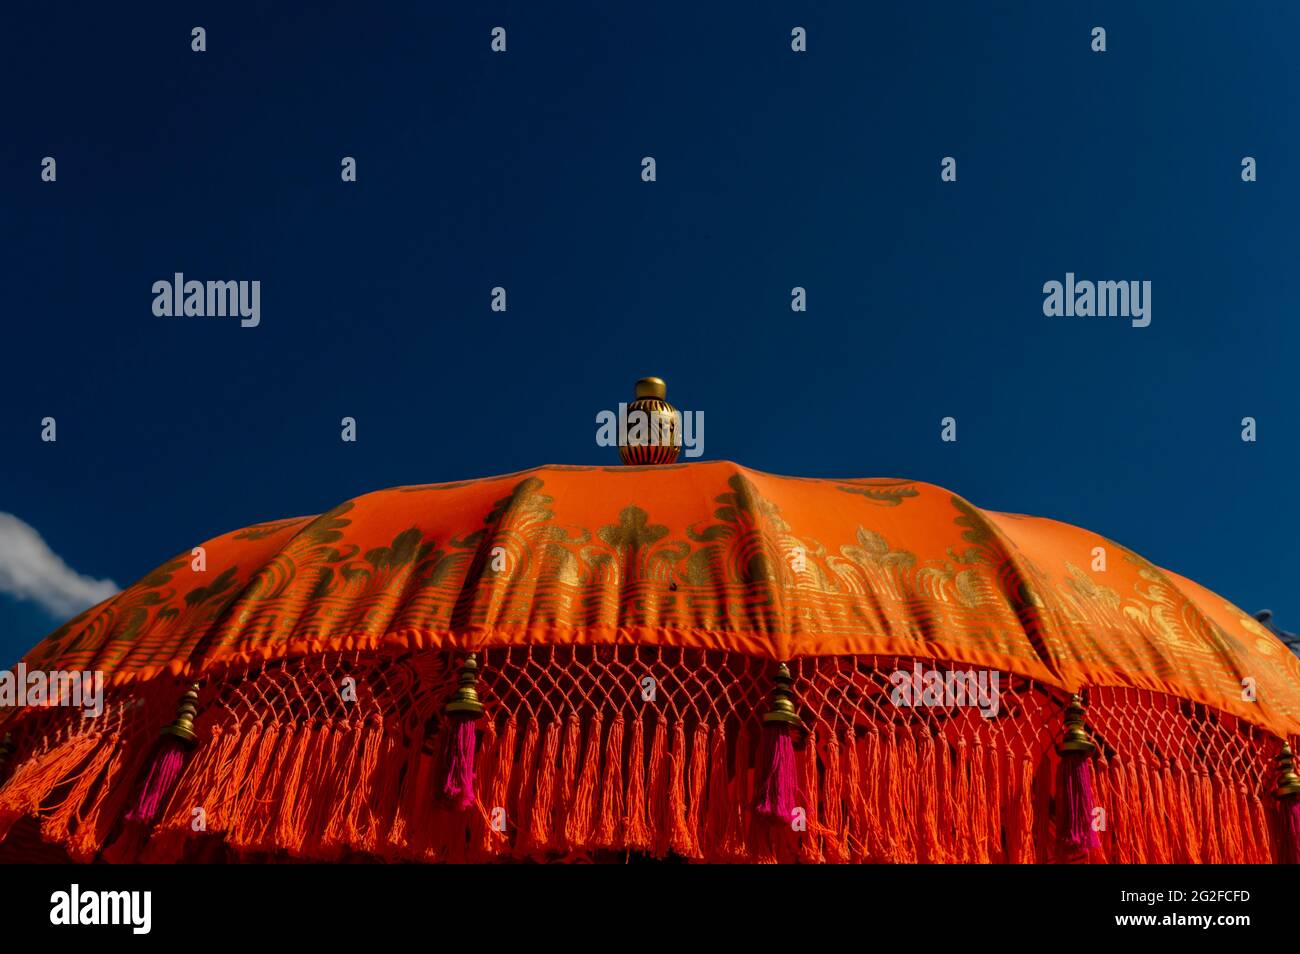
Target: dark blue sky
<point x="775" y="169"/>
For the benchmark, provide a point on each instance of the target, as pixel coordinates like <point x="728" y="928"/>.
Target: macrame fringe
<point x="655" y="783"/>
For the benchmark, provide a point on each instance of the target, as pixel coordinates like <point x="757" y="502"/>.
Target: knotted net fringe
<point x="601" y="752"/>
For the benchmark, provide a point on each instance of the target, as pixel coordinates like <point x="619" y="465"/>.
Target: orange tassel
<point x="809" y="840"/>
<point x="570" y="755"/>
<point x="224" y="797"/>
<point x="1187" y="817"/>
<point x="1251" y="853"/>
<point x="1265" y="853"/>
<point x="998" y="757"/>
<point x="875" y="772"/>
<point x="960" y="833"/>
<point x="676" y="794"/>
<point x="908" y="809"/>
<point x="979" y="807"/>
<point x="497" y="789"/>
<point x="1162" y="838"/>
<point x="835" y="842"/>
<point x="860" y="807"/>
<point x="609" y="831"/>
<point x="1113" y="798"/>
<point x="1211" y="849"/>
<point x="697" y="793"/>
<point x="541" y="834"/>
<point x="400" y="832"/>
<point x="719" y="805"/>
<point x="737" y="844"/>
<point x="252" y="802"/>
<point x="40" y="774"/>
<point x="524" y="783"/>
<point x="102" y="811"/>
<point x="338" y="821"/>
<point x="893" y="798"/>
<point x="1151" y="834"/>
<point x="376" y="796"/>
<point x="329" y="772"/>
<point x="485" y="772"/>
<point x="658" y="774"/>
<point x="699" y="780"/>
<point x="55" y="826"/>
<point x="257" y="832"/>
<point x="945" y="790"/>
<point x="1023" y="828"/>
<point x="1224" y="808"/>
<point x="1127" y="824"/>
<point x="570" y="752"/>
<point x="636" y="830"/>
<point x="288" y="833"/>
<point x="1042" y="831"/>
<point x="930" y="847"/>
<point x="581" y="820"/>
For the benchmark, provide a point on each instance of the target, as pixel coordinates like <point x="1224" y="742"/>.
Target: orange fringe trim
<point x="579" y="784"/>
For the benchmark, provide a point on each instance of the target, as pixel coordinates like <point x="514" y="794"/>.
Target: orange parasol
<point x="580" y="661"/>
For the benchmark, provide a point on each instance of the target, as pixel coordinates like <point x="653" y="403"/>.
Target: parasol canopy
<point x="325" y="648"/>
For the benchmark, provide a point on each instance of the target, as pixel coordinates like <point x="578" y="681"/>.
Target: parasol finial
<point x="652" y="436"/>
<point x="1288" y="783"/>
<point x="652" y="387"/>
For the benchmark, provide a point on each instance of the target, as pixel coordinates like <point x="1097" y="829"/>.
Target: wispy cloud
<point x="30" y="570"/>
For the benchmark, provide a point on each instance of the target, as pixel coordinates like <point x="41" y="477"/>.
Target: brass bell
<point x="465" y="701"/>
<point x="183" y="727"/>
<point x="781" y="705"/>
<point x="1288" y="783"/>
<point x="1076" y="736"/>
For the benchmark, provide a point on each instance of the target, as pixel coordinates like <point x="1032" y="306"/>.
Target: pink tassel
<point x="164" y="769"/>
<point x="166" y="762"/>
<point x="777" y="782"/>
<point x="1291" y="831"/>
<point x="1074" y="806"/>
<point x="458" y="785"/>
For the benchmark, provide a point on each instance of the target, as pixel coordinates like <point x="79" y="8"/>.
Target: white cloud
<point x="30" y="570"/>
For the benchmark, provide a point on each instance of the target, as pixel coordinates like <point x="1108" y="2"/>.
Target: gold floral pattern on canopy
<point x="705" y="555"/>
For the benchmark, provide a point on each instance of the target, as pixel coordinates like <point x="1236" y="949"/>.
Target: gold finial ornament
<point x="183" y="727"/>
<point x="781" y="708"/>
<point x="1288" y="783"/>
<point x="658" y="440"/>
<point x="1076" y="736"/>
<point x="465" y="701"/>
